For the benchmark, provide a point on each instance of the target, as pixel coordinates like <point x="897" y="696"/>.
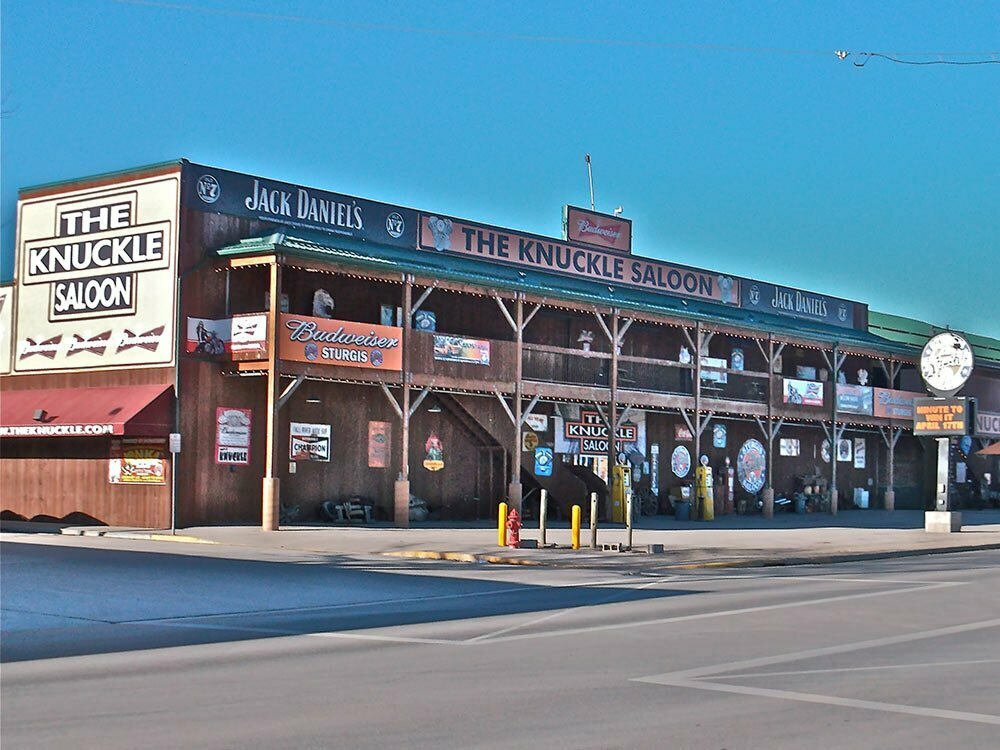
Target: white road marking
<point x="844" y="648"/>
<point x="551" y="616"/>
<point x="723" y="613"/>
<point x="829" y="700"/>
<point x="796" y="672"/>
<point x="704" y="678"/>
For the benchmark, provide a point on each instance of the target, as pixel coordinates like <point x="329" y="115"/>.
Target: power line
<point x="548" y="39"/>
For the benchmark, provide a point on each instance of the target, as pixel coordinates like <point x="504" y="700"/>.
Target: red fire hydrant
<point x="514" y="529"/>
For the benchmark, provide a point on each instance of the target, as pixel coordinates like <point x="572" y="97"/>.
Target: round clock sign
<point x="946" y="363"/>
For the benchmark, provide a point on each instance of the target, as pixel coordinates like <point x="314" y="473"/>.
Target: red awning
<point x="86" y="412"/>
<point x="992" y="450"/>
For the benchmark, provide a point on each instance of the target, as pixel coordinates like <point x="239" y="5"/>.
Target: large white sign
<point x="6" y="327"/>
<point x="96" y="276"/>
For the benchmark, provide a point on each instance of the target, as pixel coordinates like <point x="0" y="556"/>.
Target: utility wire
<point x="593" y="41"/>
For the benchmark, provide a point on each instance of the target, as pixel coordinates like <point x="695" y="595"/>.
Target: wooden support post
<point x="612" y="414"/>
<point x="699" y="339"/>
<point x="514" y="492"/>
<point x="271" y="485"/>
<point x="401" y="489"/>
<point x="838" y="362"/>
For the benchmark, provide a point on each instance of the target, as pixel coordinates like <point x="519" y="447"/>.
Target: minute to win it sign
<point x="96" y="276"/>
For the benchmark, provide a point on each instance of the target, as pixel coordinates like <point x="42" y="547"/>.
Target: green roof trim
<point x="916" y="332"/>
<point x="365" y="255"/>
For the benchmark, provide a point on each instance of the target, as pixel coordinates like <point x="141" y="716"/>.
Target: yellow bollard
<point x="575" y="530"/>
<point x="502" y="526"/>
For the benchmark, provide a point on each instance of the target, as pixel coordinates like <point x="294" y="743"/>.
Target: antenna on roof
<point x="590" y="178"/>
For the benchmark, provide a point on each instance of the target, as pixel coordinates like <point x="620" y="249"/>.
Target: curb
<point x="140" y="535"/>
<point x="466" y="557"/>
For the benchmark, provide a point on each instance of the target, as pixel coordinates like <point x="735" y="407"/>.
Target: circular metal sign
<point x="751" y="465"/>
<point x="946" y="363"/>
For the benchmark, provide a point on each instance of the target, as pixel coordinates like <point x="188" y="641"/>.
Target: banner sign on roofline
<point x="236" y="194"/>
<point x="443" y="234"/>
<point x="783" y="300"/>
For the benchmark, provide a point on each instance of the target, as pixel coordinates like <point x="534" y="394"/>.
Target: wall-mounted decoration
<point x="804" y="372"/>
<point x="789" y="447"/>
<point x="654" y="468"/>
<point x="895" y="404"/>
<point x="232" y="436"/>
<point x="309" y="442"/>
<point x="543" y="462"/>
<point x="537" y="422"/>
<point x="737" y="359"/>
<point x="860" y="453"/>
<point x="460" y="349"/>
<point x="208" y="338"/>
<point x="578" y="431"/>
<point x="855" y="399"/>
<point x="680" y="461"/>
<point x="249" y="336"/>
<point x="824" y="450"/>
<point x="844" y="450"/>
<point x="719" y="435"/>
<point x="751" y="465"/>
<point x="425" y="320"/>
<point x="712" y="369"/>
<point x="803" y="392"/>
<point x="529" y="441"/>
<point x="434" y="453"/>
<point x="323" y="304"/>
<point x="379" y="444"/>
<point x="682" y="432"/>
<point x="137" y="461"/>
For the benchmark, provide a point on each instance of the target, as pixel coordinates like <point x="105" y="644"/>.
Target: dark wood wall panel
<point x="56" y="477"/>
<point x="208" y="492"/>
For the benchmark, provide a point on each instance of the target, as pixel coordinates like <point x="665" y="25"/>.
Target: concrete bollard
<point x="593" y="520"/>
<point x="502" y="526"/>
<point x="890" y="500"/>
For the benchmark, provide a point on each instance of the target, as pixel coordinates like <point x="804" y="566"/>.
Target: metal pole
<point x="543" y="516"/>
<point x="628" y="519"/>
<point x="590" y="178"/>
<point x="593" y="520"/>
<point x="575" y="527"/>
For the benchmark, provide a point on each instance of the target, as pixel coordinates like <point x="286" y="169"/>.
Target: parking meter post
<point x="575" y="527"/>
<point x="502" y="526"/>
<point x="593" y="520"/>
<point x="543" y="516"/>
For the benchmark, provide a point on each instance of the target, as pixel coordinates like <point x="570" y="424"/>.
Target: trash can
<point x="682" y="511"/>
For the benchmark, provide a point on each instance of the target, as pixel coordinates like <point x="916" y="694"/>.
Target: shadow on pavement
<point x="71" y="601"/>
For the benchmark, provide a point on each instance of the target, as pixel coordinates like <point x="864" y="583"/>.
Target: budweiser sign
<point x="612" y="232"/>
<point x="340" y="342"/>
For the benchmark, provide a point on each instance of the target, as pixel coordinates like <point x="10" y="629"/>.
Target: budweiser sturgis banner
<point x="96" y="276"/>
<point x="340" y="342"/>
<point x="442" y="234"/>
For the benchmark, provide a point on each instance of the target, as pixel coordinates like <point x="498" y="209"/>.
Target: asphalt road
<point x="115" y="644"/>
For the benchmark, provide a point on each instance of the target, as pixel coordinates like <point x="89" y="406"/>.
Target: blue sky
<point x="733" y="136"/>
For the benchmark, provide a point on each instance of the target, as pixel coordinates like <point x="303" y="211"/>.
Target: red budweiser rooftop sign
<point x="591" y="228"/>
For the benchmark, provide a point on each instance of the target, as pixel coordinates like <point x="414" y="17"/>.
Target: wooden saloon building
<point x="184" y="340"/>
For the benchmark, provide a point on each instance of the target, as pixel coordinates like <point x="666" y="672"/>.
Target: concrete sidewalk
<point x="731" y="541"/>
